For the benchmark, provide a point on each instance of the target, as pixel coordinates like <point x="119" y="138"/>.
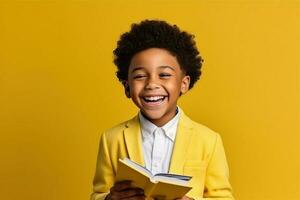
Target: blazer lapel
<point x="182" y="142"/>
<point x="133" y="140"/>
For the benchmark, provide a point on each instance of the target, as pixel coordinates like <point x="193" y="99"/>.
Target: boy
<point x="157" y="63"/>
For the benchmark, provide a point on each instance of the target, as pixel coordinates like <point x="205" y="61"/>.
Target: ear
<point x="185" y="83"/>
<point x="126" y="88"/>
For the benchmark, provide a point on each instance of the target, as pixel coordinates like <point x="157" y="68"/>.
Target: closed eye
<point x="139" y="76"/>
<point x="164" y="75"/>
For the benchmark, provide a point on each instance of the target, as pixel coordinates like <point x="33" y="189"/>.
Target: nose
<point x="152" y="84"/>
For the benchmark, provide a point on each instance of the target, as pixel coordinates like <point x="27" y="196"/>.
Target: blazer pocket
<point x="196" y="169"/>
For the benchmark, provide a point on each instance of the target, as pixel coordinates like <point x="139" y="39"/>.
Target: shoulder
<point x="200" y="132"/>
<point x="204" y="141"/>
<point x="203" y="130"/>
<point x="117" y="130"/>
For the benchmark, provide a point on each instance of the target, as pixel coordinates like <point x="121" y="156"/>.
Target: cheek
<point x="136" y="88"/>
<point x="173" y="88"/>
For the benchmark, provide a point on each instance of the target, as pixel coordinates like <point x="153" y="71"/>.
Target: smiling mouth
<point x="153" y="102"/>
<point x="154" y="99"/>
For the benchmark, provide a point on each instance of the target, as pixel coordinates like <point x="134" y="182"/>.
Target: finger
<point x="119" y="186"/>
<point x="124" y="194"/>
<point x="131" y="192"/>
<point x="136" y="197"/>
<point x="184" y="198"/>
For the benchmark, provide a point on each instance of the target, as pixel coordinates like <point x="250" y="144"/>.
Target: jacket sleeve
<point x="104" y="175"/>
<point x="217" y="186"/>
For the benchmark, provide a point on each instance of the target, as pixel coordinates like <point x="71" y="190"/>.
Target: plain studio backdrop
<point x="58" y="90"/>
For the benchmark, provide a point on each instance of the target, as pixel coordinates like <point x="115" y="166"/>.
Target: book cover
<point x="160" y="186"/>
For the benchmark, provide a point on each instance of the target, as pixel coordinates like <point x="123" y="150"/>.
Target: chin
<point x="153" y="114"/>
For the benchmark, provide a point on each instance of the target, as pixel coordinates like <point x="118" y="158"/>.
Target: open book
<point x="160" y="186"/>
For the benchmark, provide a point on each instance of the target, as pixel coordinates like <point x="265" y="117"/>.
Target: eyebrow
<point x="162" y="67"/>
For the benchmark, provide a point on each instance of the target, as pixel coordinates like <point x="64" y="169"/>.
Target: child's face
<point x="155" y="82"/>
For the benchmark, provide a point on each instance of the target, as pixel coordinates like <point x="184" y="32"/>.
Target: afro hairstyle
<point x="158" y="34"/>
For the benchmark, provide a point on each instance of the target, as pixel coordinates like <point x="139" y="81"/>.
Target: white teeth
<point x="154" y="98"/>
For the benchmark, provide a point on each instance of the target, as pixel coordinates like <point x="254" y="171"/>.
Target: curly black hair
<point x="159" y="34"/>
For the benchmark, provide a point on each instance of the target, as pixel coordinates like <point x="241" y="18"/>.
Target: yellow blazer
<point x="198" y="152"/>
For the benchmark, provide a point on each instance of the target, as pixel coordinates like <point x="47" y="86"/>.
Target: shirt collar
<point x="169" y="128"/>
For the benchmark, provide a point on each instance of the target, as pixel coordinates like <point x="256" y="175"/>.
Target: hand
<point x="125" y="190"/>
<point x="185" y="198"/>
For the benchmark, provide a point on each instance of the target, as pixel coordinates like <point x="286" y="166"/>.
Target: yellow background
<point x="58" y="90"/>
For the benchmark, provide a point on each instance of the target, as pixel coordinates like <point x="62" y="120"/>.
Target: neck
<point x="164" y="119"/>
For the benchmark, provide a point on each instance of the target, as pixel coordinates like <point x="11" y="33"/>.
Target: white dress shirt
<point x="158" y="143"/>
